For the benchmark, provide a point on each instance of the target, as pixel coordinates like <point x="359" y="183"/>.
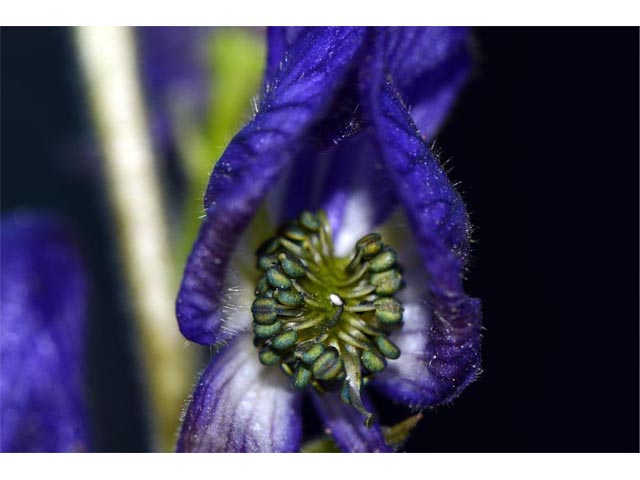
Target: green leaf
<point x="398" y="434"/>
<point x="395" y="436"/>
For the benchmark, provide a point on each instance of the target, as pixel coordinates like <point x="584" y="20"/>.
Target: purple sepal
<point x="42" y="337"/>
<point x="441" y="230"/>
<point x="239" y="405"/>
<point x="279" y="40"/>
<point x="346" y="424"/>
<point x="299" y="94"/>
<point x="428" y="67"/>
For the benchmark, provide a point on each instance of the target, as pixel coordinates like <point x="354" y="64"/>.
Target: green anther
<point x="372" y="361"/>
<point x="327" y="366"/>
<point x="278" y="279"/>
<point x="268" y="357"/>
<point x="262" y="286"/>
<point x="285" y="340"/>
<point x="309" y="221"/>
<point x="294" y="233"/>
<point x="267" y="331"/>
<point x="301" y="377"/>
<point x="370" y="245"/>
<point x="266" y="262"/>
<point x="388" y="310"/>
<point x="310" y="352"/>
<point x="293" y="267"/>
<point x="290" y="298"/>
<point x="264" y="311"/>
<point x="324" y="319"/>
<point x="268" y="247"/>
<point x="387" y="347"/>
<point x="383" y="261"/>
<point x="386" y="283"/>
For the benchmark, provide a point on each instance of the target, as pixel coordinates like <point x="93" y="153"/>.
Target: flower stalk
<point x="108" y="61"/>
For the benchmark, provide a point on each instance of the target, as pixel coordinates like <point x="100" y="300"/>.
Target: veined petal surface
<point x="441" y="229"/>
<point x="239" y="405"/>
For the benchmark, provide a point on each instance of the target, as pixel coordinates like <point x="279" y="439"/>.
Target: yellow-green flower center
<point x="325" y="319"/>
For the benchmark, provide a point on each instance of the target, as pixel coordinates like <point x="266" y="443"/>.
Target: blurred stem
<point x="236" y="61"/>
<point x="107" y="56"/>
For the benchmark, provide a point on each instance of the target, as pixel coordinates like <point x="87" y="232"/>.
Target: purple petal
<point x="418" y="177"/>
<point x="276" y="48"/>
<point x="428" y="66"/>
<point x="42" y="338"/>
<point x="279" y="40"/>
<point x="241" y="406"/>
<point x="357" y="193"/>
<point x="441" y="229"/>
<point x="298" y="96"/>
<point x="346" y="425"/>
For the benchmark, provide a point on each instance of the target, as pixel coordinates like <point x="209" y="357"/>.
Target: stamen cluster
<point x="325" y="320"/>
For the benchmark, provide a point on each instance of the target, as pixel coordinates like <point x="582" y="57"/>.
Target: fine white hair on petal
<point x="241" y="275"/>
<point x="236" y="302"/>
<point x="240" y="405"/>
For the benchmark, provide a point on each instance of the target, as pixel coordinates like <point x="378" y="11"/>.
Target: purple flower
<point x="43" y="320"/>
<point x="342" y="128"/>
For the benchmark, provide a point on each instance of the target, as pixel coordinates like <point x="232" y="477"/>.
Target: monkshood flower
<point x="331" y="256"/>
<point x="43" y="320"/>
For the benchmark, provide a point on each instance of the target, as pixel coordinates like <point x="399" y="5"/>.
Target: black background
<point x="545" y="143"/>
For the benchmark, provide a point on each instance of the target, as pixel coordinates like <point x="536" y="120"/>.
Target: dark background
<point x="545" y="142"/>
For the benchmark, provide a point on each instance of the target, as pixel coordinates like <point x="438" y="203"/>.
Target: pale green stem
<point x="107" y="56"/>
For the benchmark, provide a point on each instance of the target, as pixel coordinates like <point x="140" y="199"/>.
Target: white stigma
<point x="335" y="299"/>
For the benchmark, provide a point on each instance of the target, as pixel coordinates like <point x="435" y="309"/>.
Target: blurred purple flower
<point x="334" y="131"/>
<point x="174" y="75"/>
<point x="42" y="338"/>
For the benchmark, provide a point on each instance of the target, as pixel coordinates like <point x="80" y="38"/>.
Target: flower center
<point x="325" y="319"/>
